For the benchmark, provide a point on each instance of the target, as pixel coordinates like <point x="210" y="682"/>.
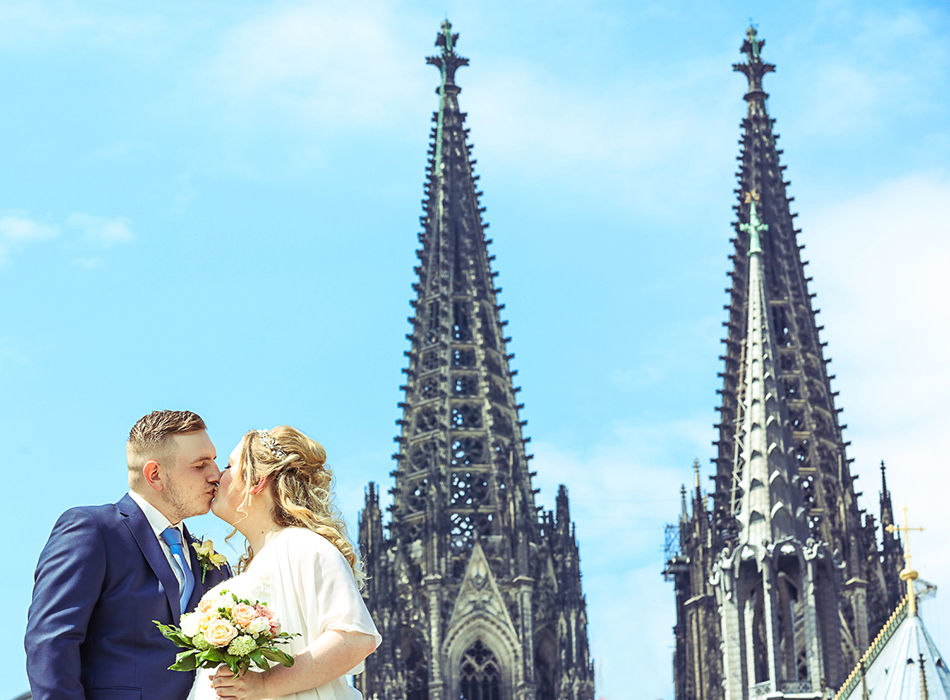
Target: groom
<point x="108" y="571"/>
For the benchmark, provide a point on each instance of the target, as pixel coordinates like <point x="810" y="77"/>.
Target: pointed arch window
<point x="417" y="667"/>
<point x="545" y="663"/>
<point x="480" y="675"/>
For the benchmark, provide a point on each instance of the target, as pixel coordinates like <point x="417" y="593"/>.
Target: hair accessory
<point x="271" y="443"/>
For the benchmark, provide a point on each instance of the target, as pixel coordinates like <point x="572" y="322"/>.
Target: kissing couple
<point x="107" y="572"/>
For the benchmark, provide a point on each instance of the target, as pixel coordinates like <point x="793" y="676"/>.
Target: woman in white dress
<point x="276" y="492"/>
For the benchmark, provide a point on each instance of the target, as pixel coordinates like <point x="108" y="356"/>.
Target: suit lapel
<point x="200" y="588"/>
<point x="212" y="578"/>
<point x="144" y="536"/>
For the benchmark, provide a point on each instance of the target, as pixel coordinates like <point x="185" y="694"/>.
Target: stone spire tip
<point x="754" y="68"/>
<point x="447" y="61"/>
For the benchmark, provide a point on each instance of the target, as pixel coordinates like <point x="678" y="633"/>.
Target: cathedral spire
<point x="892" y="552"/>
<point x="803" y="380"/>
<point x="463" y="519"/>
<point x="887" y="510"/>
<point x="699" y="501"/>
<point x="462" y="456"/>
<point x="800" y="587"/>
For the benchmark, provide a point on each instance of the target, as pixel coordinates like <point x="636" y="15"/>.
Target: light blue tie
<point x="172" y="538"/>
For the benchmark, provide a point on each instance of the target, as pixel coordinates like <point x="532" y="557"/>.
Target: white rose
<point x="258" y="625"/>
<point x="189" y="624"/>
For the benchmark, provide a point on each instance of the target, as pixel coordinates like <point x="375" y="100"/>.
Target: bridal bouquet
<point x="225" y="629"/>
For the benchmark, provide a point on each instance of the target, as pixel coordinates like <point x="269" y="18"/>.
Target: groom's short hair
<point x="150" y="433"/>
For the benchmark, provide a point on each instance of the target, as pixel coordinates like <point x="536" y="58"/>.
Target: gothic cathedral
<point x="781" y="581"/>
<point x="476" y="590"/>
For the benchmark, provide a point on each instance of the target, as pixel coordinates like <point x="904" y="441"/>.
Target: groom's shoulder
<point x="100" y="514"/>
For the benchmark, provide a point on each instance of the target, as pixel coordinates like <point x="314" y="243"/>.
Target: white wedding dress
<point x="308" y="584"/>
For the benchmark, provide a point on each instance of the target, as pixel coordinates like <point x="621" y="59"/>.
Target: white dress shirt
<point x="159" y="523"/>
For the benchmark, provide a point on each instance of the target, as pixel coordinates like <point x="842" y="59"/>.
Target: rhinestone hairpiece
<point x="271" y="443"/>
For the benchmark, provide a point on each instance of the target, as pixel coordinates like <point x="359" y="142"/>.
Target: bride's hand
<point x="250" y="686"/>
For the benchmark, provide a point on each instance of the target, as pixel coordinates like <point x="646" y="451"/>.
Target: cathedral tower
<point x="476" y="592"/>
<point x="781" y="584"/>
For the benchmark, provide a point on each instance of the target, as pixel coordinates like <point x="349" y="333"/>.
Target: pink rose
<point x="266" y="612"/>
<point x="220" y="633"/>
<point x="243" y="614"/>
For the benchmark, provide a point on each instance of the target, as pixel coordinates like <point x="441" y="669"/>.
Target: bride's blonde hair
<point x="300" y="482"/>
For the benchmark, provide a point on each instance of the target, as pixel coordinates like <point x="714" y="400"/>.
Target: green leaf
<point x="211" y="655"/>
<point x="279" y="656"/>
<point x="243" y="665"/>
<point x="166" y="630"/>
<point x="258" y="658"/>
<point x="232" y="664"/>
<point x="185" y="661"/>
<point x="174" y="635"/>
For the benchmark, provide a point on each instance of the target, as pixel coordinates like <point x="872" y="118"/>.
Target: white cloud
<point x="879" y="261"/>
<point x="630" y="139"/>
<point x="334" y="65"/>
<point x="88" y="263"/>
<point x="857" y="85"/>
<point x="32" y="23"/>
<point x="346" y="67"/>
<point x="622" y="493"/>
<point x="100" y="231"/>
<point x="15" y="352"/>
<point x="18" y="227"/>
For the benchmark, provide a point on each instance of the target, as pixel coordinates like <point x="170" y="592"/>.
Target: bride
<point x="276" y="492"/>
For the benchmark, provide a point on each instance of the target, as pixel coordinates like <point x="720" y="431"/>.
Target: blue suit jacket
<point x="100" y="581"/>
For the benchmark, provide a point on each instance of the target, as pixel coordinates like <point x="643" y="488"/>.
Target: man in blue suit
<point x="108" y="571"/>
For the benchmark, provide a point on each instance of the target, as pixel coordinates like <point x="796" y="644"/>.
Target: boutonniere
<point x="207" y="557"/>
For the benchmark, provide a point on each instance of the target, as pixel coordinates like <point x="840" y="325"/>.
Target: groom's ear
<point x="153" y="474"/>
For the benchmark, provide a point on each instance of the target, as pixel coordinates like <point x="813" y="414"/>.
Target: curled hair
<point x="300" y="483"/>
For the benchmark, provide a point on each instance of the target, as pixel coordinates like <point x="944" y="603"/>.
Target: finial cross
<point x="755" y="225"/>
<point x="754" y="68"/>
<point x="908" y="574"/>
<point x="447" y="38"/>
<point x="753" y="44"/>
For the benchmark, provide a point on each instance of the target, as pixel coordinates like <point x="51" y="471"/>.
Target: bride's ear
<point x="260" y="486"/>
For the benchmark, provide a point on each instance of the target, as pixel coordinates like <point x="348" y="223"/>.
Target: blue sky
<point x="215" y="207"/>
